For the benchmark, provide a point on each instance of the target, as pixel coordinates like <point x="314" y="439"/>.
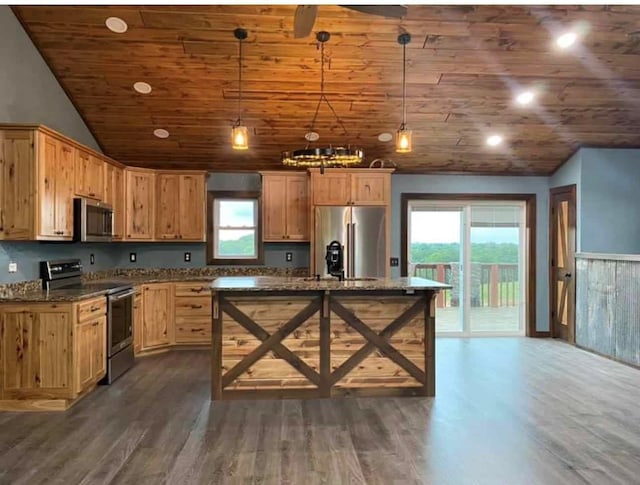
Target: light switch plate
<point x="92" y="259"/>
<point x="394" y="262"/>
<point x="13" y="267"/>
<point x="133" y="257"/>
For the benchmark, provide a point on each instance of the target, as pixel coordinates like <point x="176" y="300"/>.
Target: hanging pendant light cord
<point x="238" y="121"/>
<point x="323" y="97"/>
<point x="404" y="85"/>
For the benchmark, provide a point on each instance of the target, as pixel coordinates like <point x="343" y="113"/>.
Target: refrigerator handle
<point x="347" y="252"/>
<point x="352" y="258"/>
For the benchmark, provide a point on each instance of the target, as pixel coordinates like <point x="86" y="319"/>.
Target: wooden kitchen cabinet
<point x="56" y="166"/>
<point x="157" y="321"/>
<point x="89" y="175"/>
<point x="113" y="194"/>
<point x="91" y="347"/>
<point x="285" y="206"/>
<point x="181" y="206"/>
<point x="138" y="317"/>
<point x="139" y="204"/>
<point x="351" y="187"/>
<point x="192" y="313"/>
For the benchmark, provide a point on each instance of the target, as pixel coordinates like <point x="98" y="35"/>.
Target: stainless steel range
<point x="67" y="275"/>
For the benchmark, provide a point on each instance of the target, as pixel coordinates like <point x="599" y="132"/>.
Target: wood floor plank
<point x="517" y="411"/>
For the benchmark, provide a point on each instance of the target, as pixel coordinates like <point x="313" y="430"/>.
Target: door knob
<point x="567" y="275"/>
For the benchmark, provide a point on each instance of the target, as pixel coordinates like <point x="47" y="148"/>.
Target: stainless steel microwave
<point x="92" y="220"/>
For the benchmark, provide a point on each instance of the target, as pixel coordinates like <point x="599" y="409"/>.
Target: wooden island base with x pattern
<point x="310" y="343"/>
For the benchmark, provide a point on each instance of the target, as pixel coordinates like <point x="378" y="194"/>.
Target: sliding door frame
<point x="530" y="226"/>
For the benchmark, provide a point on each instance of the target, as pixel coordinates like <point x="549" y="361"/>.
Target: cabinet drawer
<point x="193" y="305"/>
<point x="193" y="289"/>
<point x="93" y="308"/>
<point x="193" y="330"/>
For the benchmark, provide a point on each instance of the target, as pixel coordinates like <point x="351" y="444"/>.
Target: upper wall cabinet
<point x="89" y="175"/>
<point x="113" y="194"/>
<point x="351" y="187"/>
<point x="285" y="206"/>
<point x="181" y="206"/>
<point x="139" y="204"/>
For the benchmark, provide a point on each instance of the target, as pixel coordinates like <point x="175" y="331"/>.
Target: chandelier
<point x="239" y="132"/>
<point x="330" y="156"/>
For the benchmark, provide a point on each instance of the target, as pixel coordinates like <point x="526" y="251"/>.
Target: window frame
<point x="212" y="195"/>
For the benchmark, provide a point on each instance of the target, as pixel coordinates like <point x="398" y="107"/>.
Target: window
<point x="234" y="228"/>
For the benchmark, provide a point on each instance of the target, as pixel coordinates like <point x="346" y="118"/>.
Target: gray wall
<point x="29" y="92"/>
<point x="609" y="221"/>
<point x="490" y="185"/>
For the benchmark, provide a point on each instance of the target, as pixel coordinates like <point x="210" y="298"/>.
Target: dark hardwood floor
<point x="507" y="411"/>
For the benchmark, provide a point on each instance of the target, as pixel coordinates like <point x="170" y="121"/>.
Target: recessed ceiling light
<point x="311" y="136"/>
<point x="494" y="140"/>
<point x="525" y="97"/>
<point x="566" y="40"/>
<point x="385" y="137"/>
<point x="161" y="133"/>
<point x="142" y="87"/>
<point x="116" y="24"/>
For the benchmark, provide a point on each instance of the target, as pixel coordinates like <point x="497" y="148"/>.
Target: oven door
<point x="119" y="321"/>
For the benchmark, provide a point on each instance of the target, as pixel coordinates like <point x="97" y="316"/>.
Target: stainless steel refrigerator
<point x="363" y="233"/>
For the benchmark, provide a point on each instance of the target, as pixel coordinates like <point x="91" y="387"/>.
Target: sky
<point x="444" y="227"/>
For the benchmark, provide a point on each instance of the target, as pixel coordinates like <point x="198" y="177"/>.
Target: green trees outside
<point x="243" y="246"/>
<point x="450" y="252"/>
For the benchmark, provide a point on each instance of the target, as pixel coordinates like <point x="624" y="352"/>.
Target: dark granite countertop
<point x="269" y="283"/>
<point x="53" y="296"/>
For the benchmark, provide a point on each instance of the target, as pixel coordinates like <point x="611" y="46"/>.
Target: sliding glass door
<point x="478" y="248"/>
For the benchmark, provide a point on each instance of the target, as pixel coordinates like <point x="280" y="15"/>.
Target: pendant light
<point x="403" y="136"/>
<point x="239" y="132"/>
<point x="323" y="156"/>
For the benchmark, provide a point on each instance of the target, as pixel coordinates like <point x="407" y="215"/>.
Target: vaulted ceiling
<point x="465" y="65"/>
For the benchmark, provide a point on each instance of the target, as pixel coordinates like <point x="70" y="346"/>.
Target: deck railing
<point x="492" y="284"/>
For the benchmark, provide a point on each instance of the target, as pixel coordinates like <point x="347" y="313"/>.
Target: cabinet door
<point x="17" y="184"/>
<point x="140" y="195"/>
<point x="47" y="165"/>
<point x="118" y="202"/>
<point x="274" y="217"/>
<point x="193" y="207"/>
<point x="297" y="207"/>
<point x="64" y="190"/>
<point x="84" y="355"/>
<point x="94" y="178"/>
<point x="81" y="170"/>
<point x="158" y="315"/>
<point x="108" y="184"/>
<point x="331" y="188"/>
<point x="37" y="353"/>
<point x="98" y="350"/>
<point x="168" y="202"/>
<point x="137" y="322"/>
<point x="370" y="188"/>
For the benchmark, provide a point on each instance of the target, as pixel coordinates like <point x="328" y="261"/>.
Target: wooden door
<point x="192" y="207"/>
<point x="17" y="184"/>
<point x="167" y="203"/>
<point x="140" y="196"/>
<point x="137" y="322"/>
<point x="99" y="347"/>
<point x="118" y="202"/>
<point x="297" y="207"/>
<point x="274" y="217"/>
<point x="64" y="190"/>
<point x="157" y="308"/>
<point x="331" y="188"/>
<point x="562" y="262"/>
<point x="370" y="188"/>
<point x="84" y="355"/>
<point x="47" y="164"/>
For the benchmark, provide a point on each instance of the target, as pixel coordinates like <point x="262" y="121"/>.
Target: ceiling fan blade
<point x="393" y="11"/>
<point x="303" y="20"/>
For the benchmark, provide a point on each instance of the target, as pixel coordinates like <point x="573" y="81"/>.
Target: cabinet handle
<point x="92" y="194"/>
<point x="94" y="308"/>
<point x="197" y="290"/>
<point x="196" y="306"/>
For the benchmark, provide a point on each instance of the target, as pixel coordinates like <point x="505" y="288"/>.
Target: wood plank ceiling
<point x="465" y="65"/>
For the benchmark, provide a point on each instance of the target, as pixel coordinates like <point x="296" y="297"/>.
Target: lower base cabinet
<point x="168" y="314"/>
<point x="51" y="353"/>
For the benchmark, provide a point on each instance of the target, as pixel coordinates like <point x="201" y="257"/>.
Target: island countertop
<point x="270" y="283"/>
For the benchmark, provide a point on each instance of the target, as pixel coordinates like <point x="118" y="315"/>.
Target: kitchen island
<point x="306" y="338"/>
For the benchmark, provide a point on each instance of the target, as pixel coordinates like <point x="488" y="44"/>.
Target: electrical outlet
<point x="394" y="262"/>
<point x="133" y="257"/>
<point x="289" y="256"/>
<point x="187" y="257"/>
<point x="92" y="259"/>
<point x="13" y="267"/>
